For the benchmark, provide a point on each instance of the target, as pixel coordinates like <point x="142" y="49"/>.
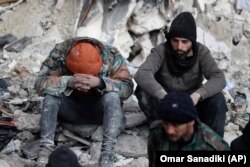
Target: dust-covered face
<point x="176" y="132"/>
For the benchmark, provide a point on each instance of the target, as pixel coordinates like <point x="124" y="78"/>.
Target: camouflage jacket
<point x="54" y="75"/>
<point x="205" y="139"/>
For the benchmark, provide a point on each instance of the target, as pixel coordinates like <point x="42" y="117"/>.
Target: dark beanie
<point x="63" y="157"/>
<point x="183" y="26"/>
<point x="177" y="107"/>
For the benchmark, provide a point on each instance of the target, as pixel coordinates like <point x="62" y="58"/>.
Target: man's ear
<point x="192" y="123"/>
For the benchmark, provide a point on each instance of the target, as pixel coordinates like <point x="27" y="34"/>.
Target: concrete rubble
<point x="30" y="29"/>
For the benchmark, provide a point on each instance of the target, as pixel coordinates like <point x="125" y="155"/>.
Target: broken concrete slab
<point x="115" y="18"/>
<point x="123" y="162"/>
<point x="77" y="150"/>
<point x="31" y="149"/>
<point x="123" y="41"/>
<point x="143" y="131"/>
<point x="73" y="136"/>
<point x="231" y="127"/>
<point x="135" y="119"/>
<point x="131" y="146"/>
<point x="85" y="160"/>
<point x="230" y="136"/>
<point x="97" y="135"/>
<point x="6" y="39"/>
<point x="218" y="49"/>
<point x="82" y="130"/>
<point x="147" y="45"/>
<point x="13" y="146"/>
<point x="27" y="122"/>
<point x="25" y="136"/>
<point x="95" y="150"/>
<point x="116" y="13"/>
<point x="240" y="102"/>
<point x="14" y="160"/>
<point x="4" y="83"/>
<point x="135" y="50"/>
<point x="19" y="45"/>
<point x="131" y="105"/>
<point x="140" y="162"/>
<point x="4" y="163"/>
<point x="240" y="121"/>
<point x="92" y="23"/>
<point x="142" y="21"/>
<point x="60" y="138"/>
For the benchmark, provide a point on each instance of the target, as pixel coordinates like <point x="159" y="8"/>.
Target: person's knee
<point x="219" y="98"/>
<point x="51" y="100"/>
<point x="51" y="103"/>
<point x="218" y="101"/>
<point x="111" y="98"/>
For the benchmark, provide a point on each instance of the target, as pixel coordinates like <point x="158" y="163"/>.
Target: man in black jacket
<point x="242" y="142"/>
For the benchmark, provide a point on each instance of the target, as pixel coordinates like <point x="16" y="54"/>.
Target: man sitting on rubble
<point x="83" y="81"/>
<point x="181" y="63"/>
<point x="180" y="129"/>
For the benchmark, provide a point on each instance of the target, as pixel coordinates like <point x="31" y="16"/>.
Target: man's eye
<point x="175" y="125"/>
<point x="184" y="42"/>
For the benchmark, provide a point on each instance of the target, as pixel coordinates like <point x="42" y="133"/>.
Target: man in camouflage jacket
<point x="180" y="129"/>
<point x="83" y="98"/>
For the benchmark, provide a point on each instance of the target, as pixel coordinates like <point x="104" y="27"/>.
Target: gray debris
<point x="4" y="83"/>
<point x="25" y="136"/>
<point x="131" y="146"/>
<point x="19" y="45"/>
<point x="28" y="122"/>
<point x="140" y="162"/>
<point x="31" y="149"/>
<point x="97" y="135"/>
<point x="6" y="39"/>
<point x="82" y="130"/>
<point x="135" y="119"/>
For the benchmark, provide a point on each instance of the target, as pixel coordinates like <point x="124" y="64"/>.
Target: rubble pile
<point x="30" y="29"/>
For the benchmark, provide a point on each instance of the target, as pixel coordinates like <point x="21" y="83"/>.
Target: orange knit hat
<point x="84" y="58"/>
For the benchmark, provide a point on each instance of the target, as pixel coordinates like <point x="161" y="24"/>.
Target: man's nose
<point x="170" y="130"/>
<point x="179" y="46"/>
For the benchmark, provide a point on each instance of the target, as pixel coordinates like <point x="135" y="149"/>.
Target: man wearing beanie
<point x="179" y="128"/>
<point x="181" y="63"/>
<point x="63" y="157"/>
<point x="84" y="82"/>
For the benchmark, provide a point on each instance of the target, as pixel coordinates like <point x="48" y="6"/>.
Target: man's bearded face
<point x="181" y="47"/>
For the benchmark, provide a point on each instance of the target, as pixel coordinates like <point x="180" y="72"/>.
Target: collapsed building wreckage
<point x="134" y="27"/>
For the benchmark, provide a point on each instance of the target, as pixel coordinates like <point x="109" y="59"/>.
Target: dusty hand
<point x="71" y="83"/>
<point x="195" y="97"/>
<point x="84" y="82"/>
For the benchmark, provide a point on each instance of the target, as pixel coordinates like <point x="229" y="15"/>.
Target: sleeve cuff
<point x="64" y="86"/>
<point x="203" y="92"/>
<point x="161" y="94"/>
<point x="101" y="88"/>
